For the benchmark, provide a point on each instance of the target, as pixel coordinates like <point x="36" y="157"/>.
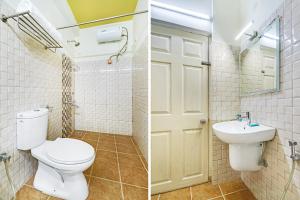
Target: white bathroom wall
<point x="140" y="80"/>
<point x="30" y="77"/>
<point x="224" y="91"/>
<point x="104" y="95"/>
<point x="103" y="92"/>
<point x="279" y="110"/>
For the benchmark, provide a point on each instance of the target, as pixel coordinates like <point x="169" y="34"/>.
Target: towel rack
<point x="35" y="30"/>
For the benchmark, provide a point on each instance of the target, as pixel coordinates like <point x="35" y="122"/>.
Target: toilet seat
<point x="41" y="153"/>
<point x="69" y="151"/>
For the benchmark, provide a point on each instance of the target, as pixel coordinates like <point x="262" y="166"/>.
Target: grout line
<point x="105" y="179"/>
<point x="135" y="186"/>
<point x="118" y="182"/>
<point x="140" y="156"/>
<point x="158" y="197"/>
<point x="118" y="152"/>
<point x="236" y="191"/>
<point x="217" y="198"/>
<point x="221" y="191"/>
<point x="120" y="178"/>
<point x="191" y="193"/>
<point x="92" y="167"/>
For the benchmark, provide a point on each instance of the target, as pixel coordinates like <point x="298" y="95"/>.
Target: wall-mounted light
<point x="244" y="30"/>
<point x="180" y="10"/>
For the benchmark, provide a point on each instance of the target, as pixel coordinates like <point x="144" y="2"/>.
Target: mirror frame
<point x="277" y="22"/>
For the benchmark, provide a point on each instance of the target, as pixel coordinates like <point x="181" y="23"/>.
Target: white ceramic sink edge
<point x="236" y="132"/>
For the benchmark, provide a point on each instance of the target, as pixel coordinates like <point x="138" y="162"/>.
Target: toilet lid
<point x="70" y="151"/>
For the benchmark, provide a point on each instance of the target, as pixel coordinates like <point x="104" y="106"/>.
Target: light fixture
<point x="180" y="10"/>
<point x="244" y="30"/>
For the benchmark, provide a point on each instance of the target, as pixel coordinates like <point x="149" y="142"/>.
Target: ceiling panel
<point x="86" y="10"/>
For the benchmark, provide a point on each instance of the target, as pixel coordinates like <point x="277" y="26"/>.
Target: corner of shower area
<point x="106" y="94"/>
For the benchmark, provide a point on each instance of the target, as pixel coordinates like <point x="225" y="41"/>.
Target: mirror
<point x="260" y="62"/>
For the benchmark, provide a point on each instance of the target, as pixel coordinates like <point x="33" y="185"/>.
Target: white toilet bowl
<point x="61" y="162"/>
<point x="60" y="166"/>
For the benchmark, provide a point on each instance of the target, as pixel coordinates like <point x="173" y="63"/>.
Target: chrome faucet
<point x="239" y="117"/>
<point x="248" y="117"/>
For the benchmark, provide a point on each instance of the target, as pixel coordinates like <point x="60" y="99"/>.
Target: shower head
<point x="76" y="43"/>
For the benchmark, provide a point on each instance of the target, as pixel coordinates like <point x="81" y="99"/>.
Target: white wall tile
<point x="30" y="77"/>
<point x="104" y="95"/>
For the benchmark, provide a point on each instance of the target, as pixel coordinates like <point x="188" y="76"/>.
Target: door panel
<point x="192" y="93"/>
<point x="160" y="43"/>
<point x="192" y="153"/>
<point x="160" y="87"/>
<point x="179" y="96"/>
<point x="161" y="151"/>
<point x="193" y="48"/>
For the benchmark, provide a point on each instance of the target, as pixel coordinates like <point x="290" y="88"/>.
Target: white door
<point x="179" y="104"/>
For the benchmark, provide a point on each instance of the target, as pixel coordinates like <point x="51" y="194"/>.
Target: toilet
<point x="60" y="162"/>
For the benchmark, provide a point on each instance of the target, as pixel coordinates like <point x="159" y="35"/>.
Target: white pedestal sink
<point x="245" y="143"/>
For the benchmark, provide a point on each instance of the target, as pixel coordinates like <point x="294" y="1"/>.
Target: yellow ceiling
<point x="86" y="10"/>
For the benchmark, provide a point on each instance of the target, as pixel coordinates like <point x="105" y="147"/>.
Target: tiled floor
<point x="234" y="190"/>
<point x="118" y="173"/>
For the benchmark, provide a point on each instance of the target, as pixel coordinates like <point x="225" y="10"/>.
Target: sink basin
<point x="239" y="132"/>
<point x="245" y="143"/>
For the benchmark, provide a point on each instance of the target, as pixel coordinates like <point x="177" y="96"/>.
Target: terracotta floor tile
<point x="107" y="155"/>
<point x="205" y="191"/>
<point x="134" y="193"/>
<point x="144" y="162"/>
<point x="108" y="146"/>
<point x="130" y="160"/>
<point x="104" y="190"/>
<point x="241" y="195"/>
<point x="106" y="169"/>
<point x="77" y="135"/>
<point x="232" y="186"/>
<point x="154" y="197"/>
<point x="107" y="137"/>
<point x="87" y="178"/>
<point x="54" y="198"/>
<point x="88" y="171"/>
<point x="91" y="136"/>
<point x="122" y="139"/>
<point x="182" y="194"/>
<point x="29" y="193"/>
<point x="91" y="142"/>
<point x="126" y="148"/>
<point x="134" y="176"/>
